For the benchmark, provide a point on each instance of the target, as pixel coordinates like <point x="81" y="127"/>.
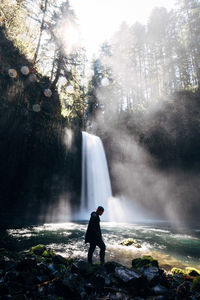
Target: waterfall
<point x="96" y="187"/>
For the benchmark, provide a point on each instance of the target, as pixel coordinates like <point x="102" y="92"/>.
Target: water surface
<point x="171" y="246"/>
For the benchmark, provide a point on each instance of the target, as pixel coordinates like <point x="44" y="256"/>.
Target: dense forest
<point x="142" y="97"/>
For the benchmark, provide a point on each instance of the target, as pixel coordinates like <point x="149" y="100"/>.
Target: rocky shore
<point x="39" y="273"/>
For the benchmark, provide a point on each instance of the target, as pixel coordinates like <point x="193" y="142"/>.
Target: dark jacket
<point x="93" y="233"/>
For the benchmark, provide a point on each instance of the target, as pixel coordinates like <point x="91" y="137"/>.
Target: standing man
<point x="93" y="235"/>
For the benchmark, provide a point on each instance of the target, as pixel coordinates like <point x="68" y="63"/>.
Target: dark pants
<point x="102" y="247"/>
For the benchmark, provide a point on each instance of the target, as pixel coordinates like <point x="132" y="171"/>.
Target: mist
<point x="150" y="127"/>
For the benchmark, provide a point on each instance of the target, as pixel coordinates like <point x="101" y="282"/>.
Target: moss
<point x="177" y="271"/>
<point x="144" y="262"/>
<point x="48" y="253"/>
<point x="195" y="284"/>
<point x="38" y="249"/>
<point x="192" y="271"/>
<point x="130" y="242"/>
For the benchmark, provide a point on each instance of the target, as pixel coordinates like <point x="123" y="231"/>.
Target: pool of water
<point x="171" y="246"/>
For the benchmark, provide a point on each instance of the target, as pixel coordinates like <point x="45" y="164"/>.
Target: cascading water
<point x="96" y="187"/>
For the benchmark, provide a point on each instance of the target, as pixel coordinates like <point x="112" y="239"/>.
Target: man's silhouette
<point x="94" y="236"/>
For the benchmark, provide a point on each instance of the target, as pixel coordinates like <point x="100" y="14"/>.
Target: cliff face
<point x="35" y="165"/>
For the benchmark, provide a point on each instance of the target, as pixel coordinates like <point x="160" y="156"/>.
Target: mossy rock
<point x="38" y="249"/>
<point x="130" y="242"/>
<point x="192" y="271"/>
<point x="177" y="271"/>
<point x="48" y="253"/>
<point x="144" y="262"/>
<point x="195" y="284"/>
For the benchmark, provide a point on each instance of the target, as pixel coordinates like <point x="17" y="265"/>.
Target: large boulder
<point x="144" y="262"/>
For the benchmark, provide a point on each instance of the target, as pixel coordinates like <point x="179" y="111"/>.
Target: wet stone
<point x="126" y="275"/>
<point x="43" y="278"/>
<point x="81" y="267"/>
<point x="9" y="265"/>
<point x="118" y="296"/>
<point x="58" y="259"/>
<point x="26" y="265"/>
<point x="152" y="274"/>
<point x="160" y="290"/>
<point x="11" y="275"/>
<point x="110" y="266"/>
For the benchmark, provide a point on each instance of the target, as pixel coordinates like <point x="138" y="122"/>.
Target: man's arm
<point x="95" y="228"/>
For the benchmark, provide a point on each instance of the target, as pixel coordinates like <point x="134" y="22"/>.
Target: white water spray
<point x="96" y="187"/>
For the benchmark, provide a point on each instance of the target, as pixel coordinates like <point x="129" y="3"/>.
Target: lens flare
<point x="48" y="93"/>
<point x="70" y="89"/>
<point x="36" y="108"/>
<point x="24" y="70"/>
<point x="12" y="73"/>
<point x="105" y="81"/>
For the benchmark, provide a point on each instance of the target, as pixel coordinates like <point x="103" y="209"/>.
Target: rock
<point x="8" y="264"/>
<point x="61" y="289"/>
<point x="130" y="242"/>
<point x="44" y="269"/>
<point x="82" y="267"/>
<point x="75" y="285"/>
<point x="160" y="290"/>
<point x="48" y="254"/>
<point x="134" y="283"/>
<point x="89" y="287"/>
<point x="144" y="262"/>
<point x="151" y="273"/>
<point x="126" y="275"/>
<point x="192" y="271"/>
<point x="56" y="274"/>
<point x="26" y="264"/>
<point x="11" y="276"/>
<point x="16" y="287"/>
<point x="110" y="266"/>
<point x="98" y="281"/>
<point x="27" y="278"/>
<point x="18" y="297"/>
<point x="51" y="267"/>
<point x="160" y="297"/>
<point x="43" y="278"/>
<point x="38" y="250"/>
<point x="177" y="271"/>
<point x="58" y="259"/>
<point x="118" y="296"/>
<point x="182" y="290"/>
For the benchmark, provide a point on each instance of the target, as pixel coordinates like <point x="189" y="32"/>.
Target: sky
<point x="100" y="19"/>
